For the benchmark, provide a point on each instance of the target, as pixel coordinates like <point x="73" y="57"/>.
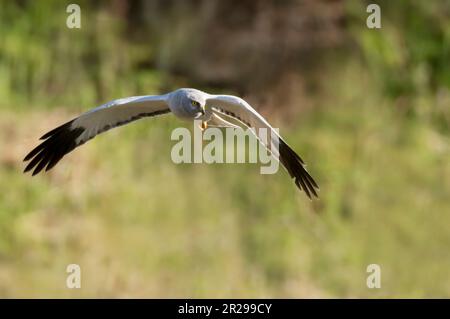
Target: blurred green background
<point x="368" y="109"/>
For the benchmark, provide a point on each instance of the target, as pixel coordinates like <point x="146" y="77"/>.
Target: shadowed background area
<point x="368" y="110"/>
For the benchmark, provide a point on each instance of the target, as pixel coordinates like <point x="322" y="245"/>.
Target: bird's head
<point x="188" y="103"/>
<point x="197" y="106"/>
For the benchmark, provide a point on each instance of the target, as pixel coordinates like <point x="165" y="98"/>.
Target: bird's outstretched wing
<point x="241" y="111"/>
<point x="63" y="139"/>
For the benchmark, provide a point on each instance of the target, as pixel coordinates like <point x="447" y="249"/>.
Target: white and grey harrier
<point x="187" y="104"/>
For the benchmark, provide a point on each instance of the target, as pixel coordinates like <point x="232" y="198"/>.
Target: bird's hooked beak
<point x="201" y="112"/>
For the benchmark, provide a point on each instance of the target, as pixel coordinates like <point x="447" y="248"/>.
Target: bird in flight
<point x="186" y="104"/>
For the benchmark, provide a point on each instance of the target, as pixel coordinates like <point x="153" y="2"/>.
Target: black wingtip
<point x="296" y="169"/>
<point x="57" y="143"/>
<point x="56" y="130"/>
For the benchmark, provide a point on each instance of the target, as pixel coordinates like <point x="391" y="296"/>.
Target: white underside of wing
<point x="217" y="121"/>
<point x="116" y="113"/>
<point x="239" y="109"/>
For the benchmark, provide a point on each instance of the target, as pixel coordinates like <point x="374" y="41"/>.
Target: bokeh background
<point x="368" y="109"/>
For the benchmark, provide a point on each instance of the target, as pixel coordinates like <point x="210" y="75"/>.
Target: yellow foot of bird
<point x="204" y="126"/>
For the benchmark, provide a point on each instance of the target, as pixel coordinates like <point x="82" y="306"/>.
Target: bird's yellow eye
<point x="195" y="103"/>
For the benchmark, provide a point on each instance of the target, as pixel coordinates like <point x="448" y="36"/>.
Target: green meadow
<point x="370" y="117"/>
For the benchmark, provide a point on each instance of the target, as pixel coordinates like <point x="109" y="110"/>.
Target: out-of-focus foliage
<point x="410" y="56"/>
<point x="368" y="109"/>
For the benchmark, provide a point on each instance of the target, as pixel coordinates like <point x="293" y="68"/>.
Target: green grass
<point x="374" y="136"/>
<point x="139" y="225"/>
